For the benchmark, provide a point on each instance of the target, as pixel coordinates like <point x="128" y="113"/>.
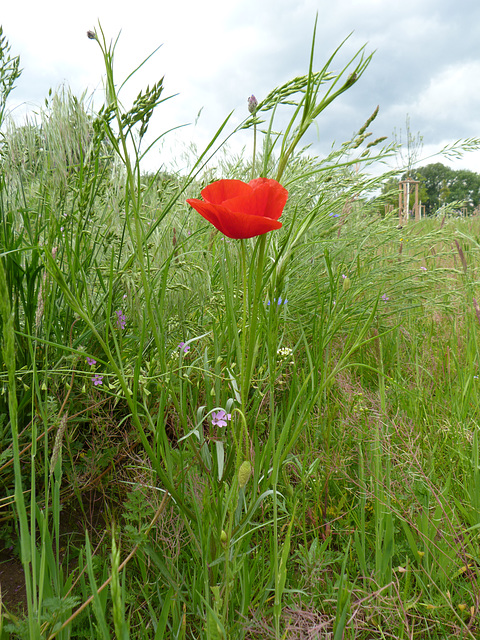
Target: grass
<point x="342" y="497"/>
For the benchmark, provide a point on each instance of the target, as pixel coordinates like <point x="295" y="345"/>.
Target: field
<point x="221" y="437"/>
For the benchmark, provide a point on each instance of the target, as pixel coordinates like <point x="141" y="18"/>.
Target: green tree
<point x="434" y="180"/>
<point x="465" y="186"/>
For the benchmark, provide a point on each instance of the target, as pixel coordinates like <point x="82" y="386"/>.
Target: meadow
<point x="218" y="437"/>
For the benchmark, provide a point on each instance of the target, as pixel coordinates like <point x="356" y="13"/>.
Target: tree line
<point x="439" y="185"/>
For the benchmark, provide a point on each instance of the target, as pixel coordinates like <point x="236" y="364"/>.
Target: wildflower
<point x="252" y="104"/>
<point x="91" y="361"/>
<point x="423" y="268"/>
<point x="280" y="301"/>
<point x="385" y="298"/>
<point x="97" y="380"/>
<point x="121" y="319"/>
<point x="220" y="418"/>
<point x="242" y="210"/>
<point x="184" y="347"/>
<point x="91" y="35"/>
<point x="334" y="215"/>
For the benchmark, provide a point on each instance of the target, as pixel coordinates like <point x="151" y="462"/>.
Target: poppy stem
<point x="254" y="149"/>
<point x="249" y="356"/>
<point x="244" y="323"/>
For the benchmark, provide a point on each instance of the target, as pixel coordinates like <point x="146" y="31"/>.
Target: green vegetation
<point x="440" y="186"/>
<point x="212" y="438"/>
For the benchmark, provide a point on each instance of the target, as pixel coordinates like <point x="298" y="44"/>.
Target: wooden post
<point x="404" y="201"/>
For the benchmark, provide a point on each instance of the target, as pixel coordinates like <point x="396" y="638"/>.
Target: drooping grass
<point x="341" y="499"/>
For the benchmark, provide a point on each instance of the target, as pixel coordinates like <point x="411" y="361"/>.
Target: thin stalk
<point x="249" y="357"/>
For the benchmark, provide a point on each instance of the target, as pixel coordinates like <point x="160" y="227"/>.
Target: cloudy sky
<point x="216" y="53"/>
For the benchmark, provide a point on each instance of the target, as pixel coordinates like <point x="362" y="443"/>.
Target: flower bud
<point x="252" y="104"/>
<point x="223" y="539"/>
<point x="91" y="35"/>
<point x="346" y="284"/>
<point x="244" y="473"/>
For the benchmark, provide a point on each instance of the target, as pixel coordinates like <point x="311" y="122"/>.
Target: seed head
<point x="244" y="473"/>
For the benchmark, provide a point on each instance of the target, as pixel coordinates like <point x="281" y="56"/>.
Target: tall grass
<point x="341" y="498"/>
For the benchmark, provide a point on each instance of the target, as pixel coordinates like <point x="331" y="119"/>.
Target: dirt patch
<point x="12" y="583"/>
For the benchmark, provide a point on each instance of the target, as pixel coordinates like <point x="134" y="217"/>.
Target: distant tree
<point x="439" y="185"/>
<point x="433" y="178"/>
<point x="465" y="186"/>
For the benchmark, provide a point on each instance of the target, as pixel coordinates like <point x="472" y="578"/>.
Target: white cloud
<point x="216" y="53"/>
<point x="452" y="96"/>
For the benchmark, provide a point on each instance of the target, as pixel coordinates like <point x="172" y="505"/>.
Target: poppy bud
<point x="244" y="473"/>
<point x="252" y="104"/>
<point x="91" y="35"/>
<point x="346" y="284"/>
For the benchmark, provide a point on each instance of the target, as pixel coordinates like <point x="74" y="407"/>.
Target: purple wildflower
<point x="385" y="298"/>
<point x="97" y="380"/>
<point x="91" y="361"/>
<point x="121" y="319"/>
<point x="423" y="268"/>
<point x="220" y="418"/>
<point x="334" y="215"/>
<point x="184" y="347"/>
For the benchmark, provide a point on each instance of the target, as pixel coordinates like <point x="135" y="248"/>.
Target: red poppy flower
<point x="242" y="210"/>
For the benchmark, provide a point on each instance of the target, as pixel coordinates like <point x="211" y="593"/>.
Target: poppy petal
<point x="221" y="190"/>
<point x="235" y="225"/>
<point x="270" y="197"/>
<point x="240" y="210"/>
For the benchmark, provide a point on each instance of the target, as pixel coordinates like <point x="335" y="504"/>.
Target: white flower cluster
<point x="285" y="353"/>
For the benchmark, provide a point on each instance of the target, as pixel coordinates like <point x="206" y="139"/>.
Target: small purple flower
<point x="121" y="319"/>
<point x="220" y="418"/>
<point x="423" y="268"/>
<point x="184" y="347"/>
<point x="97" y="380"/>
<point x="343" y="276"/>
<point x="280" y="301"/>
<point x="91" y="361"/>
<point x="334" y="215"/>
<point x="385" y="298"/>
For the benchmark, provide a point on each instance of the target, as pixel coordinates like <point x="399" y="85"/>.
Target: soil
<point x="72" y="529"/>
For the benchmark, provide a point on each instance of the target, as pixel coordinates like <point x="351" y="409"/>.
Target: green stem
<point x="254" y="149"/>
<point x="250" y="355"/>
<point x="244" y="322"/>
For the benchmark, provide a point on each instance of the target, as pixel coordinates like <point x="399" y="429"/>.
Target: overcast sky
<point x="215" y="53"/>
